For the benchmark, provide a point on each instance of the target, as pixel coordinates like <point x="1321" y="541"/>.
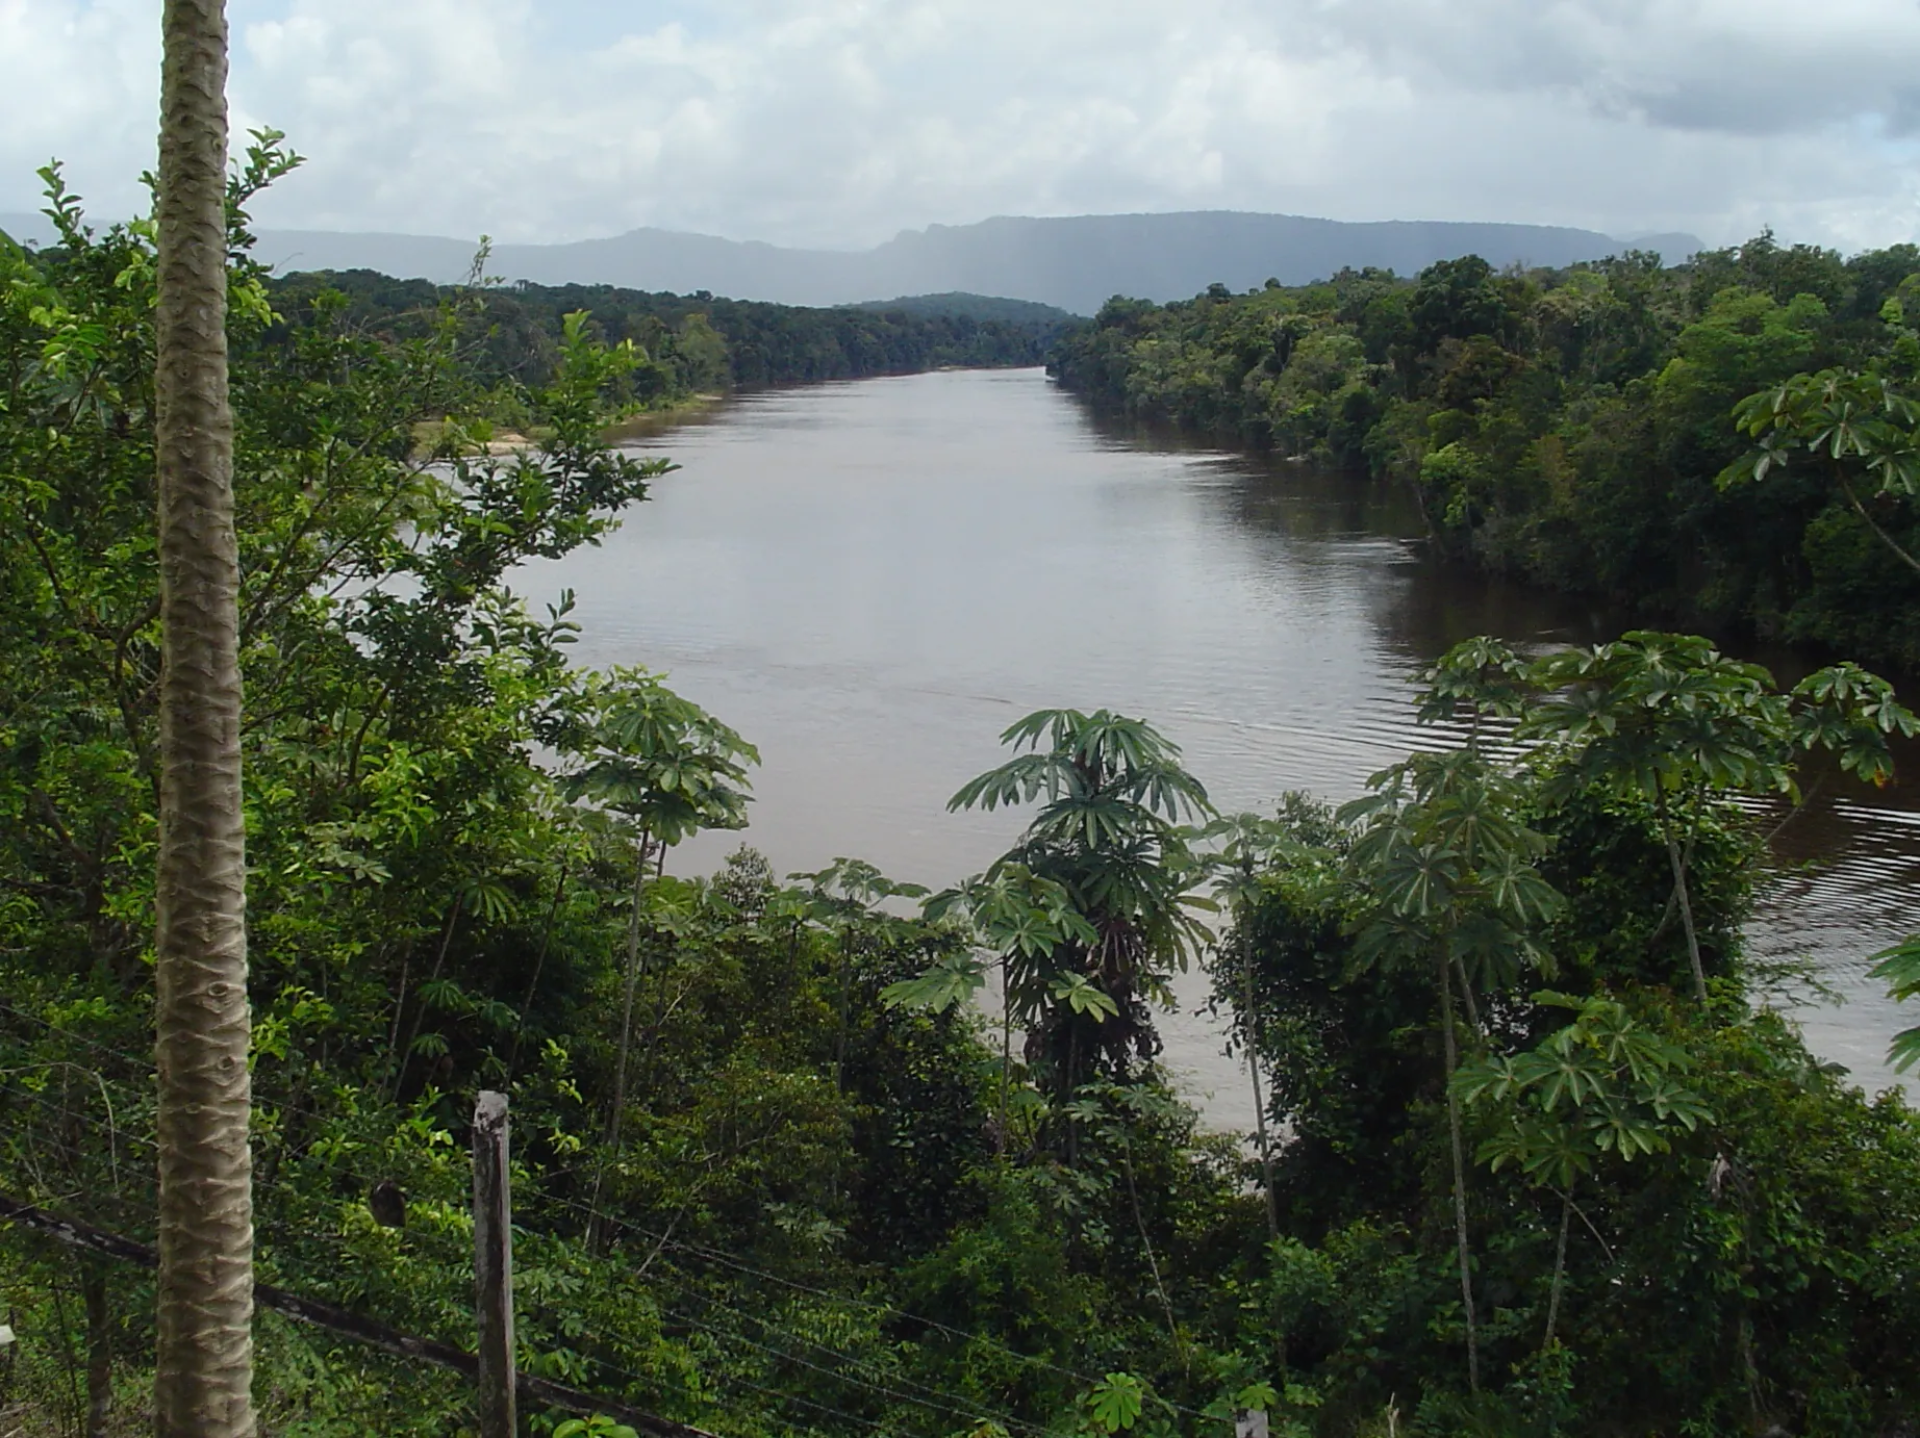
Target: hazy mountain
<point x="1671" y="246"/>
<point x="26" y="228"/>
<point x="1074" y="264"/>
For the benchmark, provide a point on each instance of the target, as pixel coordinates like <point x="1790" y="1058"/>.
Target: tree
<point x="1899" y="968"/>
<point x="1443" y="877"/>
<point x="1669" y="720"/>
<point x="671" y="769"/>
<point x="1603" y="1084"/>
<point x="1854" y="425"/>
<point x="1247" y="845"/>
<point x="203" y="1359"/>
<point x="843" y="897"/>
<point x="1109" y="836"/>
<point x="1457" y="299"/>
<point x="1018" y="917"/>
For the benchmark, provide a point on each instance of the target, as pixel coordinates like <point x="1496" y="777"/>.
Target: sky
<point x="838" y="123"/>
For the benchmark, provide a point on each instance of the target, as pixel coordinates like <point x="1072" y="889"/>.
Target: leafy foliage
<point x="686" y="345"/>
<point x="1899" y="968"/>
<point x="1615" y="1079"/>
<point x="820" y="1195"/>
<point x="1572" y="426"/>
<point x="1093" y="907"/>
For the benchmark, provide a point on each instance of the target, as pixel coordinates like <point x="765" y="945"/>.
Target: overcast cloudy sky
<point x="840" y="122"/>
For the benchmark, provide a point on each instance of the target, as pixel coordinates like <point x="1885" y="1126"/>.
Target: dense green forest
<point x="1534" y="1161"/>
<point x="1572" y="427"/>
<point x="1050" y="320"/>
<point x="688" y="344"/>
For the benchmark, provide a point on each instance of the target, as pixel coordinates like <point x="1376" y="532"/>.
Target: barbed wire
<point x="727" y="1260"/>
<point x="975" y="1413"/>
<point x="734" y="1380"/>
<point x="703" y="1252"/>
<point x="943" y="1399"/>
<point x="263" y="1219"/>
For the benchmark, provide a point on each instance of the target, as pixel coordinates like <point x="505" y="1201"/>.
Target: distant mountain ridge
<point x="1074" y="263"/>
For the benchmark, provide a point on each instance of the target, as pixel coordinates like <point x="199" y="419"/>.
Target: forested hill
<point x="1572" y="426"/>
<point x="699" y="343"/>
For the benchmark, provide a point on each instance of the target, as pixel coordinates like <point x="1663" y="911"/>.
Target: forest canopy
<point x="688" y="345"/>
<point x="1570" y="427"/>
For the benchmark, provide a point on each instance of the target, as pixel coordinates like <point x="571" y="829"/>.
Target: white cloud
<point x="79" y="82"/>
<point x="841" y="121"/>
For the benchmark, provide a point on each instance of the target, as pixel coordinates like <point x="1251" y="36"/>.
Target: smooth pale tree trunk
<point x="1466" y="998"/>
<point x="1146" y="1242"/>
<point x="1253" y="1070"/>
<point x="596" y="1225"/>
<point x="533" y="982"/>
<point x="1679" y="867"/>
<point x="401" y="1058"/>
<point x="618" y="1111"/>
<point x="203" y="1345"/>
<point x="1459" y="1176"/>
<point x="1006" y="1048"/>
<point x="1559" y="1269"/>
<point x="1860" y="509"/>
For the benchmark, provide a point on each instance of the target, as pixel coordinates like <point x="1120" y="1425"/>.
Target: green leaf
<point x="954" y="979"/>
<point x="1116" y="1402"/>
<point x="1904" y="1052"/>
<point x="1899" y="968"/>
<point x="1080" y="995"/>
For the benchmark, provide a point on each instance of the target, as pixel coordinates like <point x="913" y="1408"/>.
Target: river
<point x="871" y="579"/>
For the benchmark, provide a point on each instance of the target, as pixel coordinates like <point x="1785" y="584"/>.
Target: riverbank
<point x="642" y="424"/>
<point x="1571" y="429"/>
<point x="656" y="420"/>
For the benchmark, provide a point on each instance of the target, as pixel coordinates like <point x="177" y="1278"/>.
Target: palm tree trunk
<point x="1459" y="1175"/>
<point x="1679" y="867"/>
<point x="203" y="1346"/>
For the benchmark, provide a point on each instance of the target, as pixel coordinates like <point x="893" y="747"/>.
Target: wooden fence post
<point x="493" y="1266"/>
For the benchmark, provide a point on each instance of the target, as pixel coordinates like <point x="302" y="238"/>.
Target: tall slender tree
<point x="1443" y="878"/>
<point x="203" y="1359"/>
<point x="1248" y="845"/>
<point x="1110" y="836"/>
<point x="670" y="769"/>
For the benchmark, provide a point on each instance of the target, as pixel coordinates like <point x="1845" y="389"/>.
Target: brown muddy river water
<point x="870" y="580"/>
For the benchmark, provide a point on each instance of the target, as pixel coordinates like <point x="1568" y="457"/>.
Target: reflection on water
<point x="872" y="579"/>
